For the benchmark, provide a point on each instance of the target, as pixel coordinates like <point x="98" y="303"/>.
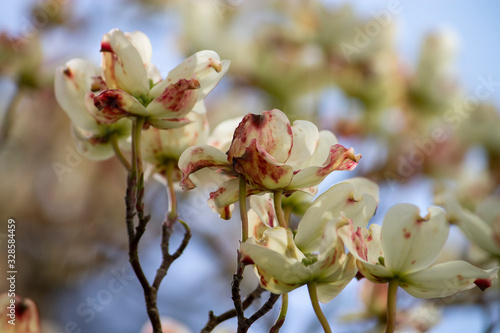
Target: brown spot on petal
<point x="215" y="65"/>
<point x="340" y="158"/>
<point x="68" y="72"/>
<point x="361" y="248"/>
<point x="106" y="47"/>
<point x="483" y="284"/>
<point x="263" y="281"/>
<point x="180" y="96"/>
<point x="246" y="260"/>
<point x="110" y="104"/>
<point x="407" y="234"/>
<point x="257" y="170"/>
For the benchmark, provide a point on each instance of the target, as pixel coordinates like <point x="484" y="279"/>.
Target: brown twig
<point x="273" y="298"/>
<point x="239" y="306"/>
<point x="214" y="320"/>
<point x="135" y="206"/>
<point x="168" y="259"/>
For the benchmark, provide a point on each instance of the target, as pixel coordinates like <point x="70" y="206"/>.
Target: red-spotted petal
<point x="272" y="132"/>
<point x="446" y="279"/>
<point x="122" y="64"/>
<point x="176" y="100"/>
<point x="261" y="170"/>
<point x="340" y="158"/>
<point x="204" y="66"/>
<point x="411" y="242"/>
<point x="199" y="157"/>
<point x="112" y="105"/>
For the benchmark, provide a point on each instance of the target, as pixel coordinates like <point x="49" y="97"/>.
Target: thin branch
<point x="239" y="306"/>
<point x="235" y="293"/>
<point x="168" y="259"/>
<point x="273" y="298"/>
<point x="214" y="320"/>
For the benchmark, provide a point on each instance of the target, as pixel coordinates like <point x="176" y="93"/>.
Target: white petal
<point x="256" y="227"/>
<point x="489" y="210"/>
<point x="86" y="148"/>
<point x="72" y="81"/>
<point x="329" y="289"/>
<point x="176" y="100"/>
<point x="343" y="198"/>
<point x="205" y="66"/>
<point x="410" y="242"/>
<point x="142" y="45"/>
<point x="277" y="256"/>
<point x="122" y="64"/>
<point x="364" y="185"/>
<point x="331" y="253"/>
<point x="476" y="229"/>
<point x="339" y="158"/>
<point x="325" y="141"/>
<point x="263" y="205"/>
<point x="94" y="145"/>
<point x="222" y="135"/>
<point x="446" y="279"/>
<point x="366" y="247"/>
<point x="199" y="157"/>
<point x="221" y="199"/>
<point x="305" y="141"/>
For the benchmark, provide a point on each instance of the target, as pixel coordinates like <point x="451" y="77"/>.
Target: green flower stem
<point x="391" y="306"/>
<point x="243" y="209"/>
<point x="287" y="211"/>
<point x="279" y="209"/>
<point x="118" y="152"/>
<point x="172" y="197"/>
<point x="282" y="316"/>
<point x="313" y="294"/>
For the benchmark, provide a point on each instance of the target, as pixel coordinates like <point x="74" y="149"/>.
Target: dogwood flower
<point x="93" y="139"/>
<point x="131" y="88"/>
<point x="403" y="250"/>
<point x="271" y="155"/>
<point x="284" y="262"/>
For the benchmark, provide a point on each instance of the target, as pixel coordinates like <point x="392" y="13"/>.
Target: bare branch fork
<point x="239" y="305"/>
<point x="135" y="206"/>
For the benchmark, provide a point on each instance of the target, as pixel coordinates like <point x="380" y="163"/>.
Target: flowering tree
<point x="127" y="105"/>
<point x="260" y="153"/>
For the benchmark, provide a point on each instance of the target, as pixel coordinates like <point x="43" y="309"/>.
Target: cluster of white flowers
<point x="264" y="157"/>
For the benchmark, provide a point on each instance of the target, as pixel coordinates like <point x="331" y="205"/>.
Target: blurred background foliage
<point x="403" y="102"/>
